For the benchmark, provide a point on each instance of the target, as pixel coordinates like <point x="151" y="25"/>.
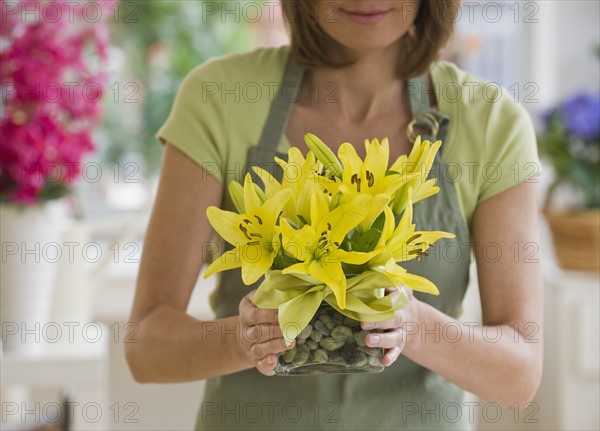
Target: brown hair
<point x="433" y="26"/>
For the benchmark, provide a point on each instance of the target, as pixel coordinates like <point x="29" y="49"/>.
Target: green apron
<point x="405" y="396"/>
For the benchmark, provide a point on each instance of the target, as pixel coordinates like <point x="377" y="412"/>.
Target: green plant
<point x="159" y="42"/>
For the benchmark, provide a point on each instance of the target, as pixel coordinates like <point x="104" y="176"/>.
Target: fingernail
<point x="270" y="360"/>
<point x="374" y="339"/>
<point x="368" y="325"/>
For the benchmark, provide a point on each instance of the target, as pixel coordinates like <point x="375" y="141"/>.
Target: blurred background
<point x="85" y="86"/>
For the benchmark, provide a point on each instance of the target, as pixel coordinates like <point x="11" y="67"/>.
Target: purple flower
<point x="581" y="114"/>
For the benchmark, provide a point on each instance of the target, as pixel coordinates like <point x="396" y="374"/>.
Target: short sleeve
<point x="196" y="124"/>
<point x="510" y="154"/>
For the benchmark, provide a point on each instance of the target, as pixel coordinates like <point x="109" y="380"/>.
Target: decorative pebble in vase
<point x="330" y="344"/>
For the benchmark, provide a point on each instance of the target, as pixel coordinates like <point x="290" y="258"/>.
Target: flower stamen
<point x="370" y="179"/>
<point x="412" y="238"/>
<point x="245" y="231"/>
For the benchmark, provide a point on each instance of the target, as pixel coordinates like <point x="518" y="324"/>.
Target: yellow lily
<point x="369" y="176"/>
<point x="298" y="174"/>
<point x="403" y="243"/>
<point x="317" y="245"/>
<point x="415" y="168"/>
<point x="254" y="234"/>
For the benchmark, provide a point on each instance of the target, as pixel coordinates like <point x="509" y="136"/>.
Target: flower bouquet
<point x="328" y="238"/>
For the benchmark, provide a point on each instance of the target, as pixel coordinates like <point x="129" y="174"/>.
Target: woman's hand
<point x="394" y="338"/>
<point x="261" y="336"/>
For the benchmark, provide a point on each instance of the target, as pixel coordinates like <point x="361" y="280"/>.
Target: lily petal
<point x="298" y="243"/>
<point x="377" y="158"/>
<point x="226" y="223"/>
<point x="256" y="262"/>
<point x="270" y="184"/>
<point x="350" y="159"/>
<point x="333" y="276"/>
<point x="415" y="282"/>
<point x="352" y="257"/>
<point x="251" y="199"/>
<point x="229" y="260"/>
<point x="273" y="206"/>
<point x="345" y="217"/>
<point x="319" y="206"/>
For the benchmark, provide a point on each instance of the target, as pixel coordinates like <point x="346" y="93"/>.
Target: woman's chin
<point x="366" y="46"/>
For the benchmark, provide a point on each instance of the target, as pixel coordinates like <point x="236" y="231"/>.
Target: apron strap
<point x="424" y="117"/>
<point x="274" y="128"/>
<point x="279" y="113"/>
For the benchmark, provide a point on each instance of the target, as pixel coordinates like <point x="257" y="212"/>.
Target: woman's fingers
<point x="394" y="291"/>
<point x="261" y="333"/>
<point x="250" y="314"/>
<point x="391" y="355"/>
<point x="386" y="340"/>
<point x="260" y="350"/>
<point x="266" y="365"/>
<point x="394" y="337"/>
<point x="400" y="316"/>
<point x="394" y="294"/>
<point x="386" y="324"/>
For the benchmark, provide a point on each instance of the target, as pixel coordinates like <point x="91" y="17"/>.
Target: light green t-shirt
<point x="222" y="105"/>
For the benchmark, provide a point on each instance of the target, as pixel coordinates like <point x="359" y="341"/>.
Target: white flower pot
<point x="31" y="250"/>
<point x="72" y="299"/>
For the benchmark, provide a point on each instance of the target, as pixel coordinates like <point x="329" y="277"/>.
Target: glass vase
<point x="331" y="344"/>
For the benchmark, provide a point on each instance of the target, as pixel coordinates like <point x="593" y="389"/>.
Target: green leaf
<point x="350" y="269"/>
<point x="379" y="222"/>
<point x="366" y="241"/>
<point x="53" y="190"/>
<point x="282" y="261"/>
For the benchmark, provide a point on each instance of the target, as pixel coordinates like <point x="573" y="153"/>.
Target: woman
<point x="358" y="68"/>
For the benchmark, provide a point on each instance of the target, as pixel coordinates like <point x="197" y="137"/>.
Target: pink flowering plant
<point x="52" y="74"/>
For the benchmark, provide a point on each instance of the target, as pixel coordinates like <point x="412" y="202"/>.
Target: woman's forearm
<point x="496" y="362"/>
<point x="171" y="346"/>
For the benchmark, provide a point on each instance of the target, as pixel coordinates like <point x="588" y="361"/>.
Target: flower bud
<point x="236" y="191"/>
<point x="324" y="154"/>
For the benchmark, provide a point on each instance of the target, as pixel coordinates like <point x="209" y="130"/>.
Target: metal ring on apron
<point x="423" y="117"/>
